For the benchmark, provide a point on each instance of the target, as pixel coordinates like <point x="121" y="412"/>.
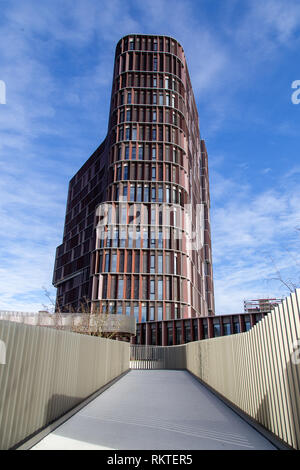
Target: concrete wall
<point x="48" y="372"/>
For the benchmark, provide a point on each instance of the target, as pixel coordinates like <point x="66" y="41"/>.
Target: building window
<point x="146" y="193"/>
<point x="144" y="313"/>
<point x="153" y="222"/>
<point x="170" y="335"/>
<point x="178" y="334"/>
<point x="152" y="313"/>
<point x="152" y="289"/>
<point x="145" y="257"/>
<point x="132" y="192"/>
<point x="160" y="263"/>
<point x="141" y="152"/>
<point x="153" y="173"/>
<point x="159" y="312"/>
<point x="152" y="263"/>
<point x="119" y="172"/>
<point x="121" y="262"/>
<point x="113" y="286"/>
<point x="127" y="309"/>
<point x="136" y="287"/>
<point x="145" y="288"/>
<point x="134" y="133"/>
<point x="119" y="157"/>
<point x="187" y="332"/>
<point x="114" y="262"/>
<point x="217" y="330"/>
<point x="104" y="287"/>
<point x="136" y="311"/>
<point x="160" y="194"/>
<point x="139" y="193"/>
<point x="106" y="267"/>
<point x="129" y="261"/>
<point x="120" y="288"/>
<point x="125" y="191"/>
<point x="111" y="308"/>
<point x="160" y="289"/>
<point x="153" y="233"/>
<point x="160" y="234"/>
<point x="128" y="287"/>
<point x="153" y="194"/>
<point x="168" y="194"/>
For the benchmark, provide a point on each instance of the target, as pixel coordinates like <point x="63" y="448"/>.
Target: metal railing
<point x="157" y="357"/>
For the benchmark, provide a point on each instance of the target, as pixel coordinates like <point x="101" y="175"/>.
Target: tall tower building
<point x="137" y="229"/>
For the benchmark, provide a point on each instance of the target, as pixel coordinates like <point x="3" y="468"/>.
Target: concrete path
<point x="155" y="409"/>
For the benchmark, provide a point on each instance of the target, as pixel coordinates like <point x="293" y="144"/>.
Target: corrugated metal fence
<point x="48" y="372"/>
<point x="258" y="371"/>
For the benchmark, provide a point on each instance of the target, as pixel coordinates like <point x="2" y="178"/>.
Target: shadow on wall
<point x="56" y="408"/>
<point x="280" y="407"/>
<point x="59" y="405"/>
<point x="263" y="414"/>
<point x="292" y="378"/>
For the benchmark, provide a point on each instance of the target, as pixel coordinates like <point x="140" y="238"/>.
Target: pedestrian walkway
<point x="158" y="410"/>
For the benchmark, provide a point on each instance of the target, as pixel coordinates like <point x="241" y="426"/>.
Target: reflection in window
<point x="217" y="330"/>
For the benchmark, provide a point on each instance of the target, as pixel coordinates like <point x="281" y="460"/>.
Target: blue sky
<point x="56" y="59"/>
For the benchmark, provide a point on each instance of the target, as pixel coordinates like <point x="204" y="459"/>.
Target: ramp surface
<point x="155" y="409"/>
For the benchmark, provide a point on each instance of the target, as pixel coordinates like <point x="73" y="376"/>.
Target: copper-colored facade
<point x="150" y="180"/>
<point x="174" y="332"/>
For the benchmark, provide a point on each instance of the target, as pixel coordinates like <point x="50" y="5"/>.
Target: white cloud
<point x="253" y="236"/>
